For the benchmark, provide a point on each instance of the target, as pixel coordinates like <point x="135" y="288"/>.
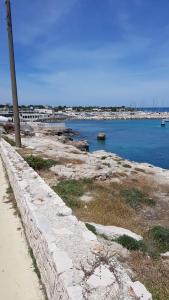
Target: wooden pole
<point x="13" y="74"/>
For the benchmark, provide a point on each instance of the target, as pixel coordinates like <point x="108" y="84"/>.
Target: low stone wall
<point x="72" y="263"/>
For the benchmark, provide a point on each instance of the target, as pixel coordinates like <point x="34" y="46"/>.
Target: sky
<point x="88" y="52"/>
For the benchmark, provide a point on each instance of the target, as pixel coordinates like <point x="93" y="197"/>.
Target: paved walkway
<point x="18" y="281"/>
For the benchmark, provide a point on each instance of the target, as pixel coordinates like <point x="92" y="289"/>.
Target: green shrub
<point x="38" y="163"/>
<point x="9" y="190"/>
<point x="91" y="228"/>
<point x="130" y="243"/>
<point x="160" y="236"/>
<point x="103" y="157"/>
<point x="9" y="140"/>
<point x="107" y="164"/>
<point x="126" y="166"/>
<point x="71" y="190"/>
<point x="136" y="198"/>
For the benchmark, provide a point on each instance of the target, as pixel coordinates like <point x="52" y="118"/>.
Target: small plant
<point x="9" y="190"/>
<point x="35" y="267"/>
<point x="10" y="141"/>
<point x="130" y="243"/>
<point x="91" y="228"/>
<point x="39" y="163"/>
<point x="140" y="170"/>
<point x="71" y="190"/>
<point x="106" y="164"/>
<point x="160" y="236"/>
<point x="126" y="166"/>
<point x="136" y="198"/>
<point x="103" y="157"/>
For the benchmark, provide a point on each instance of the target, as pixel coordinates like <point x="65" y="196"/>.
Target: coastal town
<point x="43" y="113"/>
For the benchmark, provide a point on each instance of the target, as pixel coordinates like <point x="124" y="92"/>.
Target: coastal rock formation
<point x="27" y="130"/>
<point x="101" y="136"/>
<point x="165" y="255"/>
<point x="113" y="232"/>
<point x="100" y="164"/>
<point x="81" y="145"/>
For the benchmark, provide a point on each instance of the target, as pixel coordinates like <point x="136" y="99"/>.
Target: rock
<point x="101" y="136"/>
<point x="60" y="131"/>
<point x="102" y="277"/>
<point x="81" y="145"/>
<point x="86" y="198"/>
<point x="27" y="130"/>
<point x="140" y="291"/>
<point x="116" y="249"/>
<point x="165" y="255"/>
<point x="71" y="132"/>
<point x="113" y="232"/>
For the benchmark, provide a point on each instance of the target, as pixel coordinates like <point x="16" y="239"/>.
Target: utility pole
<point x="13" y="74"/>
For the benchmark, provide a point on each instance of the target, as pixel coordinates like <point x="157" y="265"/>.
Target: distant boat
<point x="163" y="123"/>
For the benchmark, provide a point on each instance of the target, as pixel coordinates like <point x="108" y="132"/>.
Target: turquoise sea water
<point x="138" y="140"/>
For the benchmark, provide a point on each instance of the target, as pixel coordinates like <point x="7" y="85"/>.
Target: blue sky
<point x="88" y="52"/>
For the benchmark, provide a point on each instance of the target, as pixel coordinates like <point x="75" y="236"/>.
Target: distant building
<point x="44" y="111"/>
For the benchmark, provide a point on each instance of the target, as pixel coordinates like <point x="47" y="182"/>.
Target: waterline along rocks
<point x="73" y="264"/>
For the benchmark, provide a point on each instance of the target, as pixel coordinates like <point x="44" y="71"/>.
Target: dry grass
<point x="61" y="160"/>
<point x="153" y="273"/>
<point x="109" y="208"/>
<point x="110" y="205"/>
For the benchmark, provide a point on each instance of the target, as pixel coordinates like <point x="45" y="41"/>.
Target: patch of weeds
<point x="122" y="174"/>
<point x="35" y="267"/>
<point x="151" y="249"/>
<point x="9" y="140"/>
<point x="160" y="236"/>
<point x="147" y="246"/>
<point x="103" y="157"/>
<point x="71" y="190"/>
<point x="136" y="198"/>
<point x="107" y="164"/>
<point x="91" y="228"/>
<point x="39" y="163"/>
<point x="130" y="243"/>
<point x="9" y="190"/>
<point x="152" y="273"/>
<point x="12" y="200"/>
<point x="126" y="166"/>
<point x="104" y="236"/>
<point x="140" y="170"/>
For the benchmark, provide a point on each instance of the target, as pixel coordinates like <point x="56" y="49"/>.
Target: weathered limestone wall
<point x="72" y="263"/>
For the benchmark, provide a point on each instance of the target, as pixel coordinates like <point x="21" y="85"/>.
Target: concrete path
<point x="18" y="281"/>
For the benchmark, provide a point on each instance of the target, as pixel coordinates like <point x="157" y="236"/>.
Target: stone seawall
<point x="72" y="263"/>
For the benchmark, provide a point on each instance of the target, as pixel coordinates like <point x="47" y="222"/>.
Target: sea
<point x="136" y="140"/>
